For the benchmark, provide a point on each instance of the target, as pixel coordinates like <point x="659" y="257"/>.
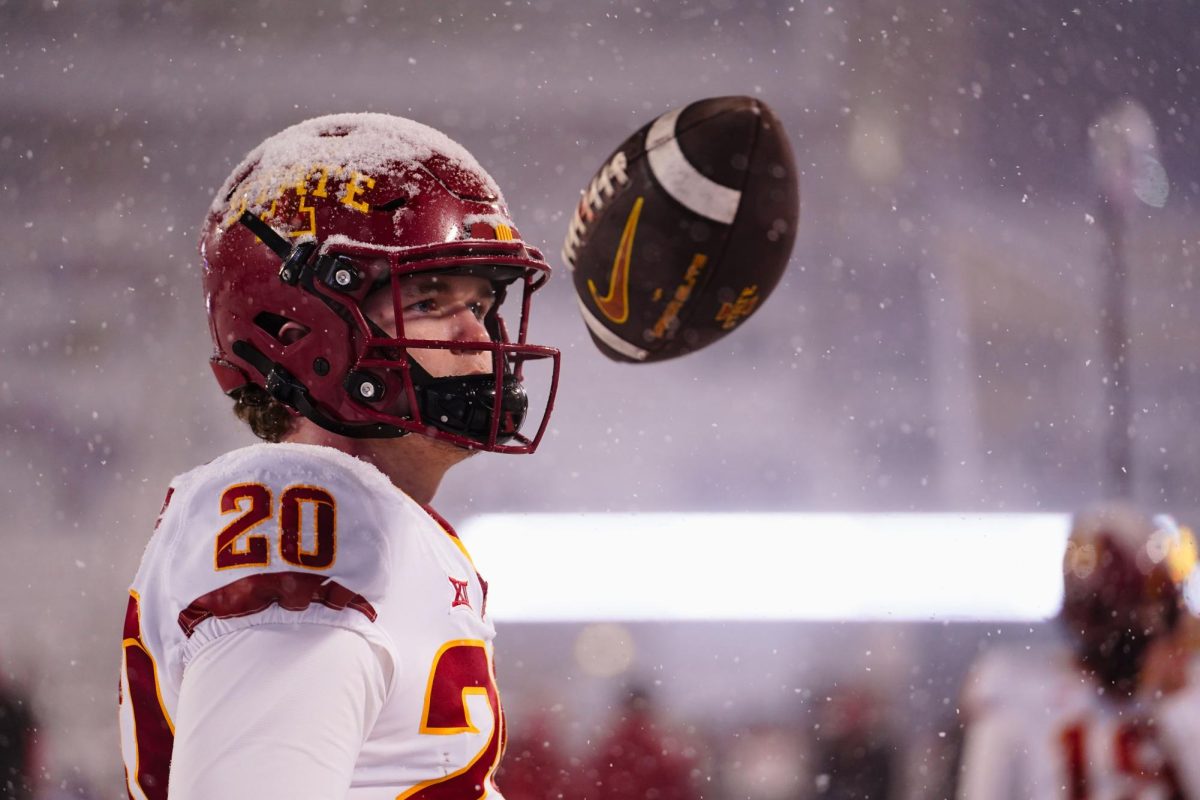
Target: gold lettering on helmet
<point x="277" y="193"/>
<point x="353" y="190"/>
<point x="305" y="173"/>
<point x="268" y="190"/>
<point x="235" y="211"/>
<point x="312" y="220"/>
<point x="301" y="176"/>
<point x="320" y="190"/>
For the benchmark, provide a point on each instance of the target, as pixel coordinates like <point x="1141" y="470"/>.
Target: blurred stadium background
<point x="938" y="344"/>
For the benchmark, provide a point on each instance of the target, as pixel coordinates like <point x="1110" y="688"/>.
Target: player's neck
<point x="415" y="464"/>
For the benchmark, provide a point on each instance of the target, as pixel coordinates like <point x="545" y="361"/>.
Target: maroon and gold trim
<point x="153" y="731"/>
<point x="293" y="591"/>
<point x="461" y="668"/>
<point x="453" y="534"/>
<point x="163" y="511"/>
<point x="440" y="520"/>
<point x="449" y="531"/>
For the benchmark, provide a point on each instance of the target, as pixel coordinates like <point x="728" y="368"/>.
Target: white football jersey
<point x="1038" y="729"/>
<point x="286" y="533"/>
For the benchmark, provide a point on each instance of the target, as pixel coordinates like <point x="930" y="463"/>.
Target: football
<point x="684" y="230"/>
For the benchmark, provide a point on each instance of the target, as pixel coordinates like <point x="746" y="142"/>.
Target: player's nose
<point x="469" y="328"/>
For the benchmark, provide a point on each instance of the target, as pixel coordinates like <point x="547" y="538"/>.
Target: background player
<point x="303" y="624"/>
<point x="1113" y="714"/>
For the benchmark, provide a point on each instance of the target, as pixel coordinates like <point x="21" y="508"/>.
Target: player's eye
<point x="426" y="305"/>
<point x="479" y="309"/>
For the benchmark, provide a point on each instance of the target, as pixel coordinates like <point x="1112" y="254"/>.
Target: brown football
<point x="685" y="229"/>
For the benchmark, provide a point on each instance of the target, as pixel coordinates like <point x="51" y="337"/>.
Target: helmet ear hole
<point x="280" y="328"/>
<point x="391" y="205"/>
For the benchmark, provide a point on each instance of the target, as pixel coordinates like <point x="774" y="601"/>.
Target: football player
<point x="303" y="624"/>
<point x="1114" y="712"/>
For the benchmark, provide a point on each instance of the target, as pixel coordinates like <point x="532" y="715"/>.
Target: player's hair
<point x="267" y="417"/>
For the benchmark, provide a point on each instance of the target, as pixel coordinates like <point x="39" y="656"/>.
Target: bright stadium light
<point x="891" y="567"/>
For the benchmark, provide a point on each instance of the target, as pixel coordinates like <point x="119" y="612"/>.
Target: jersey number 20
<point x="239" y="546"/>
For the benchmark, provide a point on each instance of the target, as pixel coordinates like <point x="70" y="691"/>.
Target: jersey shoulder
<point x="281" y="463"/>
<point x="271" y="532"/>
<point x="275" y="505"/>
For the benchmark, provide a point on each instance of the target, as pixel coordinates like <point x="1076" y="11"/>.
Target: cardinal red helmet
<point x="1123" y="580"/>
<point x="325" y="213"/>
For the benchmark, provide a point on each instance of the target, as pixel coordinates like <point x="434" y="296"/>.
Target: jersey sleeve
<point x="991" y="759"/>
<point x="993" y="748"/>
<point x="239" y="709"/>
<point x="276" y="534"/>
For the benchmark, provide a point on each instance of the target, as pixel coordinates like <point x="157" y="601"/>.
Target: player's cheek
<point x="442" y="362"/>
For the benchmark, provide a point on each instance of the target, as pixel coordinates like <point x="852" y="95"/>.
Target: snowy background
<point x="934" y="346"/>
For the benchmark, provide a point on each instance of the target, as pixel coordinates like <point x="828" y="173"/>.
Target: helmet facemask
<point x="392" y="392"/>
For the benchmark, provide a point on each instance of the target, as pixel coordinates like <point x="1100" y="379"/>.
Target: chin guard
<point x="464" y="405"/>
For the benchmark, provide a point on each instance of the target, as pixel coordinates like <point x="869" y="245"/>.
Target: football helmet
<point x="327" y="212"/>
<point x="1123" y="587"/>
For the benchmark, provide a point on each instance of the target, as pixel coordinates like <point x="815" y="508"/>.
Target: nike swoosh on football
<point x="615" y="304"/>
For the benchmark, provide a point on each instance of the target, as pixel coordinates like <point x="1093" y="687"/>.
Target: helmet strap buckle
<point x="294" y="258"/>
